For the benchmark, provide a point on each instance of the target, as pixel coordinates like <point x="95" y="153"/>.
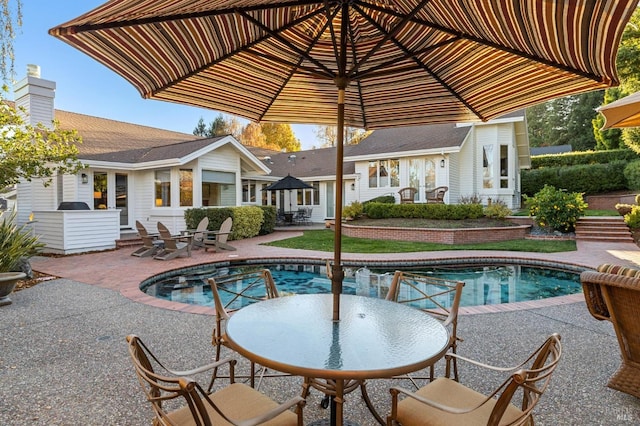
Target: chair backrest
<point x="225" y="229"/>
<point x="147" y="240"/>
<point x="169" y="242"/>
<point x="437" y="194"/>
<point x="436" y="296"/>
<point x="232" y="292"/>
<point x="407" y="195"/>
<point x="159" y="388"/>
<point x="531" y="379"/>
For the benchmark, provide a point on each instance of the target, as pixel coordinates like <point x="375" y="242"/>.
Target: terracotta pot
<point x="8" y="282"/>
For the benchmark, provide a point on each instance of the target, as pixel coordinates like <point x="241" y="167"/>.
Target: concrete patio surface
<point x="63" y="357"/>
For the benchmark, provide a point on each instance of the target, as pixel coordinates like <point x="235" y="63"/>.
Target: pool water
<point x="484" y="285"/>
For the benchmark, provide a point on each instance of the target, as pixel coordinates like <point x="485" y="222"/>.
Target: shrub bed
<point x="424" y="211"/>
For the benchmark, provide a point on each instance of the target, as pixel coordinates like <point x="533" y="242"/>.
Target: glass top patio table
<point x="374" y="338"/>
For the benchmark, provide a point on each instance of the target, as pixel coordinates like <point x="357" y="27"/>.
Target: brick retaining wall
<point x="443" y="236"/>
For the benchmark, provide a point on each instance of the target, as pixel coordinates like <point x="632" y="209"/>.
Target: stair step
<point x="604" y="229"/>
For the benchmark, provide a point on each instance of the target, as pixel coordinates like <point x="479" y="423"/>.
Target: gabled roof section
<point x="410" y="140"/>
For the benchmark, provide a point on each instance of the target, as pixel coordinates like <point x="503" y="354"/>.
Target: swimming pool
<point x="484" y="284"/>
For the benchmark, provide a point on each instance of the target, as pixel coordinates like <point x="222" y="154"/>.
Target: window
<point x="504" y="166"/>
<point x="422" y="170"/>
<point x="487" y="167"/>
<point x="186" y="187"/>
<point x="384" y="174"/>
<point x="163" y="188"/>
<point x="309" y="196"/>
<point x="248" y="191"/>
<point x="218" y="188"/>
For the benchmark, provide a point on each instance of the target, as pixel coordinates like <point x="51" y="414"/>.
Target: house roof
<point x="314" y="163"/>
<point x="102" y="135"/>
<point x="410" y="139"/>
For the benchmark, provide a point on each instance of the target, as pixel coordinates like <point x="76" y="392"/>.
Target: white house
<point x="140" y="173"/>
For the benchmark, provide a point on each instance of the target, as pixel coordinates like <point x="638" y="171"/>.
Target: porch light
<point x="442" y="163"/>
<point x="84" y="177"/>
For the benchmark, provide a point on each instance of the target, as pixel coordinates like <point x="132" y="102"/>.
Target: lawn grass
<point x="322" y="240"/>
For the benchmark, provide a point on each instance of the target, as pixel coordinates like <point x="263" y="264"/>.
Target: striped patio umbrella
<point x="362" y="63"/>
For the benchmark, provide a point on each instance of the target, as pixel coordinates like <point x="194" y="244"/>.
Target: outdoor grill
<point x="73" y="205"/>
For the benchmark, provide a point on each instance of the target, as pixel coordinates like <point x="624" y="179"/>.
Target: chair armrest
<point x="203" y="368"/>
<point x="450" y="355"/>
<point x="395" y="391"/>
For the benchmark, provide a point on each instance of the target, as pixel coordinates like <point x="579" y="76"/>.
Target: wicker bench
<point x="613" y="293"/>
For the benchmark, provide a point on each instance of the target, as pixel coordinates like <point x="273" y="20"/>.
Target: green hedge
<point x="587" y="179"/>
<point x="269" y="214"/>
<point x="247" y="220"/>
<point x="424" y="211"/>
<point x="582" y="157"/>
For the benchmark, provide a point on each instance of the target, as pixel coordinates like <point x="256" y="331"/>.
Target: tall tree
<point x="328" y="135"/>
<point x="280" y="135"/>
<point x="10" y="21"/>
<point x="34" y="152"/>
<point x="252" y="135"/>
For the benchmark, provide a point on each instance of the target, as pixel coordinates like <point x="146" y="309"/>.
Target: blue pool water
<point x="484" y="285"/>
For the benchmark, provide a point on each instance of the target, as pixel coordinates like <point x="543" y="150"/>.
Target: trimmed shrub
<point x="632" y="219"/>
<point x="632" y="174"/>
<point x="389" y="199"/>
<point x="588" y="179"/>
<point x="269" y="214"/>
<point x="497" y="210"/>
<point x="424" y="211"/>
<point x="247" y="220"/>
<point x="556" y="209"/>
<point x="353" y="210"/>
<point x="582" y="157"/>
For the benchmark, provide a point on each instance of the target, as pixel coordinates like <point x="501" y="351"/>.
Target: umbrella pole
<point x="337" y="273"/>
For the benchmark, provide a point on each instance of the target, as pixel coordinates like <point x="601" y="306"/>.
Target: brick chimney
<point x="36" y="96"/>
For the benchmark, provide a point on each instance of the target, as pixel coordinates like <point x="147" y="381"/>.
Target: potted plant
<point x="16" y="244"/>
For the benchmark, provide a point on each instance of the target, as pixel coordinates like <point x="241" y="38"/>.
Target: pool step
<point x="604" y="229"/>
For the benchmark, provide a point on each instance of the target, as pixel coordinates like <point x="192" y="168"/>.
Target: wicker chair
<point x="242" y="288"/>
<point x="445" y="401"/>
<point x="407" y="195"/>
<point x="436" y="195"/>
<point x="233" y="405"/>
<point x="437" y="297"/>
<point x="613" y="293"/>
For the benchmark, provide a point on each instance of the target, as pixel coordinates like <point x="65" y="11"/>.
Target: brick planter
<point x="443" y="236"/>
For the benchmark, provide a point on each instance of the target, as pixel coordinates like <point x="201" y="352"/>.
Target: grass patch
<point x="322" y="240"/>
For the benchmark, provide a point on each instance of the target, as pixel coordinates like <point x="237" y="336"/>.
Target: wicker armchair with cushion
<point x="447" y="402"/>
<point x="236" y="404"/>
<point x="613" y="293"/>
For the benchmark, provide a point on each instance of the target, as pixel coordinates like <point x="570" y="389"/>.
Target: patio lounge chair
<point x="199" y="234"/>
<point x="436" y="195"/>
<point x="239" y="290"/>
<point x="174" y="246"/>
<point x="438" y="298"/>
<point x="218" y="239"/>
<point x="613" y="294"/>
<point x="445" y="401"/>
<point x="407" y="195"/>
<point x="150" y="242"/>
<point x="235" y="404"/>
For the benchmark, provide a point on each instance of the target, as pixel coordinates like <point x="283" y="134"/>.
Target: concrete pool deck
<point x="63" y="357"/>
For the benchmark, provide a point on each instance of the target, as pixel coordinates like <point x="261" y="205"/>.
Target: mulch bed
<point x="37" y="279"/>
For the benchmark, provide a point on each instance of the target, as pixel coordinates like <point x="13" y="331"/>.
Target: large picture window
<point x="487" y="167"/>
<point x="495" y="167"/>
<point x="248" y="191"/>
<point x="384" y="173"/>
<point x="309" y="196"/>
<point x="218" y="188"/>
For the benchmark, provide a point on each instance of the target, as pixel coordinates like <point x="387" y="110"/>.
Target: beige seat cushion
<point x="451" y="393"/>
<point x="238" y="402"/>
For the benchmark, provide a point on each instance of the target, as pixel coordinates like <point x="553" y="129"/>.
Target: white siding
<point x="77" y="231"/>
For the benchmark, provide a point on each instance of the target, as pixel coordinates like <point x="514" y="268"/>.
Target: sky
<point x="85" y="86"/>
